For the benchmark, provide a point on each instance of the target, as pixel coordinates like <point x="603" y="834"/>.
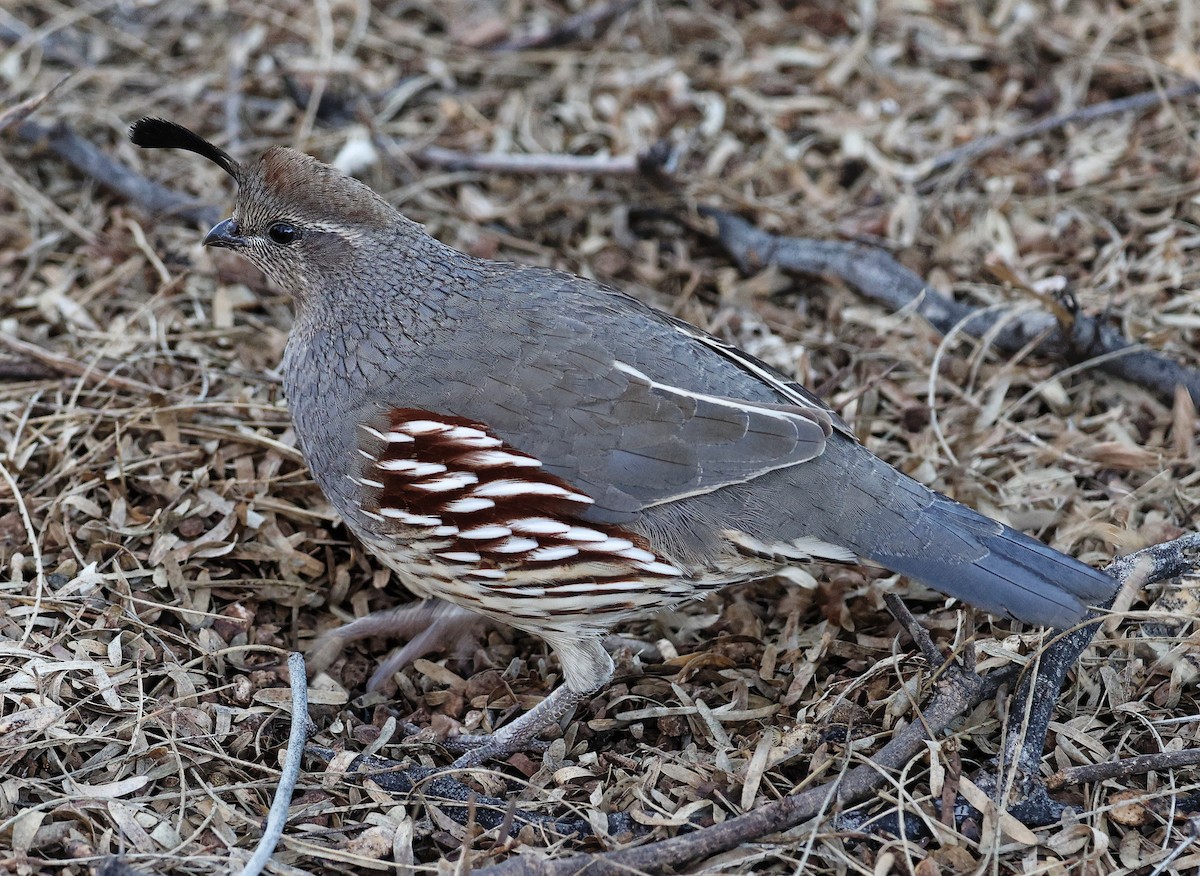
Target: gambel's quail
<point x="549" y="452"/>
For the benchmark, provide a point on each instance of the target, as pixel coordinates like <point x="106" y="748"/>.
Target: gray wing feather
<point x="631" y="442"/>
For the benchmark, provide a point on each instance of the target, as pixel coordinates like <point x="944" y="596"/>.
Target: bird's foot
<point x="520" y="734"/>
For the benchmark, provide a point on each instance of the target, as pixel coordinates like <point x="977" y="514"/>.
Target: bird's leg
<point x="518" y="735"/>
<point x="428" y="625"/>
<point x="586" y="668"/>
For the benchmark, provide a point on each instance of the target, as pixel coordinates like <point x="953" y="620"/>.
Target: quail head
<point x="549" y="452"/>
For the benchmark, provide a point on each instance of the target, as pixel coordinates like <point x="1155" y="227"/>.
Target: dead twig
<point x="1123" y="769"/>
<point x="106" y="170"/>
<point x="569" y="29"/>
<point x="880" y="278"/>
<point x="21" y="111"/>
<point x="499" y="162"/>
<point x="657" y="162"/>
<point x="916" y="632"/>
<point x="87" y="373"/>
<point x="290" y="774"/>
<point x="1132" y="103"/>
<point x="16" y="369"/>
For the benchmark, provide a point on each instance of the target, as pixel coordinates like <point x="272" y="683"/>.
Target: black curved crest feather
<point x="151" y="133"/>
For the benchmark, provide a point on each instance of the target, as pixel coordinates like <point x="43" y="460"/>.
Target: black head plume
<point x="160" y="134"/>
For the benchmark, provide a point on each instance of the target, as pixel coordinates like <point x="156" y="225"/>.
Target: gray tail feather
<point x="988" y="565"/>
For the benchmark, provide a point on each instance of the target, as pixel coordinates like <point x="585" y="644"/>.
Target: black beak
<point x="225" y="234"/>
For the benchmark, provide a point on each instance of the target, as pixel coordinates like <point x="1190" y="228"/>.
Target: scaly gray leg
<point x="428" y="626"/>
<point x="586" y="668"/>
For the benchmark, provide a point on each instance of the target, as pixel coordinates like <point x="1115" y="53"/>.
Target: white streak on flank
<point x="453" y="481"/>
<point x="494" y="574"/>
<point x="635" y="553"/>
<point x="515" y="545"/>
<point x="482" y="442"/>
<point x="366" y="455"/>
<point x="538" y="526"/>
<point x="660" y="569"/>
<point x="412" y="467"/>
<point x="461" y="556"/>
<point x="512" y="488"/>
<point x="611" y="546"/>
<point x="371" y="514"/>
<point x="410" y="519"/>
<point x="523" y="591"/>
<point x="374" y="433"/>
<point x="423" y="427"/>
<point x="486" y="532"/>
<point x="550" y="554"/>
<point x="464" y="433"/>
<point x="582" y="533"/>
<point x="468" y="505"/>
<point x="596" y="587"/>
<point x="367" y="482"/>
<point x="496" y="458"/>
<point x="446" y="531"/>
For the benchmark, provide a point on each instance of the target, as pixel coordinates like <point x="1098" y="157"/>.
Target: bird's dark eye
<point x="283" y="233"/>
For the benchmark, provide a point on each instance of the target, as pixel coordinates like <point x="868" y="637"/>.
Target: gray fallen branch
<point x="656" y="161"/>
<point x="21" y="111"/>
<point x="106" y="170"/>
<point x="880" y="278"/>
<point x="1132" y="103"/>
<point x="1138" y="765"/>
<point x="88" y="373"/>
<point x="568" y="30"/>
<point x="277" y="814"/>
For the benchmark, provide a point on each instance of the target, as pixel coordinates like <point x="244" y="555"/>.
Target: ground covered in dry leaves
<point x="164" y="548"/>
